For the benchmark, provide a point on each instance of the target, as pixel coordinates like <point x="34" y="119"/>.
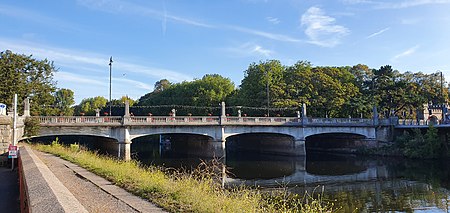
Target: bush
<point x="418" y="145"/>
<point x="31" y="126"/>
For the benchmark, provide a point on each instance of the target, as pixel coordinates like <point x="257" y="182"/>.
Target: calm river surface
<point x="354" y="183"/>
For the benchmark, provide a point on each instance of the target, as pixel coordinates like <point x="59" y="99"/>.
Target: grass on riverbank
<point x="182" y="192"/>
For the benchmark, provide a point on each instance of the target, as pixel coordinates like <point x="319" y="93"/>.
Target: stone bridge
<point x="217" y="129"/>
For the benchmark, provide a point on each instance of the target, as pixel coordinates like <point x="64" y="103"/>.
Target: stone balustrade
<point x="197" y="120"/>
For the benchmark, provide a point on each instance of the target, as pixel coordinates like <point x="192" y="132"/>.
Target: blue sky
<point x="182" y="40"/>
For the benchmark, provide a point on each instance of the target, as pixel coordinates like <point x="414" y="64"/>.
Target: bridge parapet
<point x="340" y="121"/>
<point x="200" y="120"/>
<point x="413" y="122"/>
<point x="81" y="120"/>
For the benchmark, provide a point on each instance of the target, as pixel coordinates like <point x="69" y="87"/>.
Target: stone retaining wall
<point x="5" y="133"/>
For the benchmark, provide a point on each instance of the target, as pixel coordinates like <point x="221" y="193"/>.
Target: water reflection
<point x="354" y="183"/>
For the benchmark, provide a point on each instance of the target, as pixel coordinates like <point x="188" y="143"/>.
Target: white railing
<point x="340" y="121"/>
<point x="79" y="119"/>
<point x="413" y="122"/>
<point x="199" y="120"/>
<point x="171" y="119"/>
<point x="268" y="120"/>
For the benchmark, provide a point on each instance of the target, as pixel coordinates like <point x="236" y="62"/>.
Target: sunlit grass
<point x="197" y="191"/>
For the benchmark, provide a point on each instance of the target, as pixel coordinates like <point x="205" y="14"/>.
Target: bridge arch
<point x="102" y="144"/>
<point x="368" y="132"/>
<point x="137" y="132"/>
<point x="262" y="142"/>
<point x="180" y="144"/>
<point x="335" y="142"/>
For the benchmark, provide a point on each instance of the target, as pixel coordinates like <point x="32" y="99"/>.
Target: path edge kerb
<point x="42" y="190"/>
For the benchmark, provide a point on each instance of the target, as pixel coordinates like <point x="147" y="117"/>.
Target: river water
<point x="352" y="183"/>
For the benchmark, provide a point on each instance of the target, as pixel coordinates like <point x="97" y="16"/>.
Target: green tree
<point x="27" y="77"/>
<point x="257" y="79"/>
<point x="88" y="105"/>
<point x="121" y="101"/>
<point x="162" y="85"/>
<point x="64" y="101"/>
<point x="206" y="92"/>
<point x="299" y="88"/>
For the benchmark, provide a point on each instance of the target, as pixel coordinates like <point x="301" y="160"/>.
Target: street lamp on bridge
<point x="110" y="69"/>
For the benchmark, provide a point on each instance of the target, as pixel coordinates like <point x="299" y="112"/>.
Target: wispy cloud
<point x="409" y="3"/>
<point x="397" y="4"/>
<point x="117" y="6"/>
<point x="273" y="36"/>
<point x="82" y="69"/>
<point x="32" y="16"/>
<point x="138" y="84"/>
<point x="405" y="53"/>
<point x="378" y="33"/>
<point x="73" y="58"/>
<point x="79" y="79"/>
<point x="164" y="21"/>
<point x="321" y="28"/>
<point x="249" y="49"/>
<point x="273" y="20"/>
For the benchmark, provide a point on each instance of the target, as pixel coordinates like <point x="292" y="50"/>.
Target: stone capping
<point x="40" y="189"/>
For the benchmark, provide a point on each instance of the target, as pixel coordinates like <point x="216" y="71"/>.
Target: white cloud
<point x="273" y="20"/>
<point x="378" y="33"/>
<point x="249" y="49"/>
<point x="405" y="53"/>
<point x="321" y="29"/>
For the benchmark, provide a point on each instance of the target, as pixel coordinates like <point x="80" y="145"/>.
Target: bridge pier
<point x="218" y="147"/>
<point x="122" y="135"/>
<point x="124" y="151"/>
<point x="299" y="147"/>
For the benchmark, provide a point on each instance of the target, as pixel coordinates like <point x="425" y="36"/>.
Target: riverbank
<point x="185" y="192"/>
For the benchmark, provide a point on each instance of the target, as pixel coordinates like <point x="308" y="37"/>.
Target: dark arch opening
<point x="157" y="149"/>
<point x="103" y="145"/>
<point x="260" y="143"/>
<point x="334" y="142"/>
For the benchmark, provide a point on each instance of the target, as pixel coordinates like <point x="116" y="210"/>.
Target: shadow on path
<point x="9" y="190"/>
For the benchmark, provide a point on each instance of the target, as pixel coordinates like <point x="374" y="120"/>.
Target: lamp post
<point x="110" y="68"/>
<point x="267" y="91"/>
<point x="443" y="99"/>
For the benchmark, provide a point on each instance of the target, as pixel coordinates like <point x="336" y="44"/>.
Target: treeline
<point x="327" y="91"/>
<point x="268" y="88"/>
<point x="30" y="78"/>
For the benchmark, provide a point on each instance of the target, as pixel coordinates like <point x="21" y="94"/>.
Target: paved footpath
<point x="93" y="192"/>
<point x="9" y="190"/>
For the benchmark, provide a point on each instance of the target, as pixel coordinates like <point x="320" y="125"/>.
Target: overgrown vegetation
<point x="31" y="126"/>
<point x="196" y="191"/>
<point x="414" y="144"/>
